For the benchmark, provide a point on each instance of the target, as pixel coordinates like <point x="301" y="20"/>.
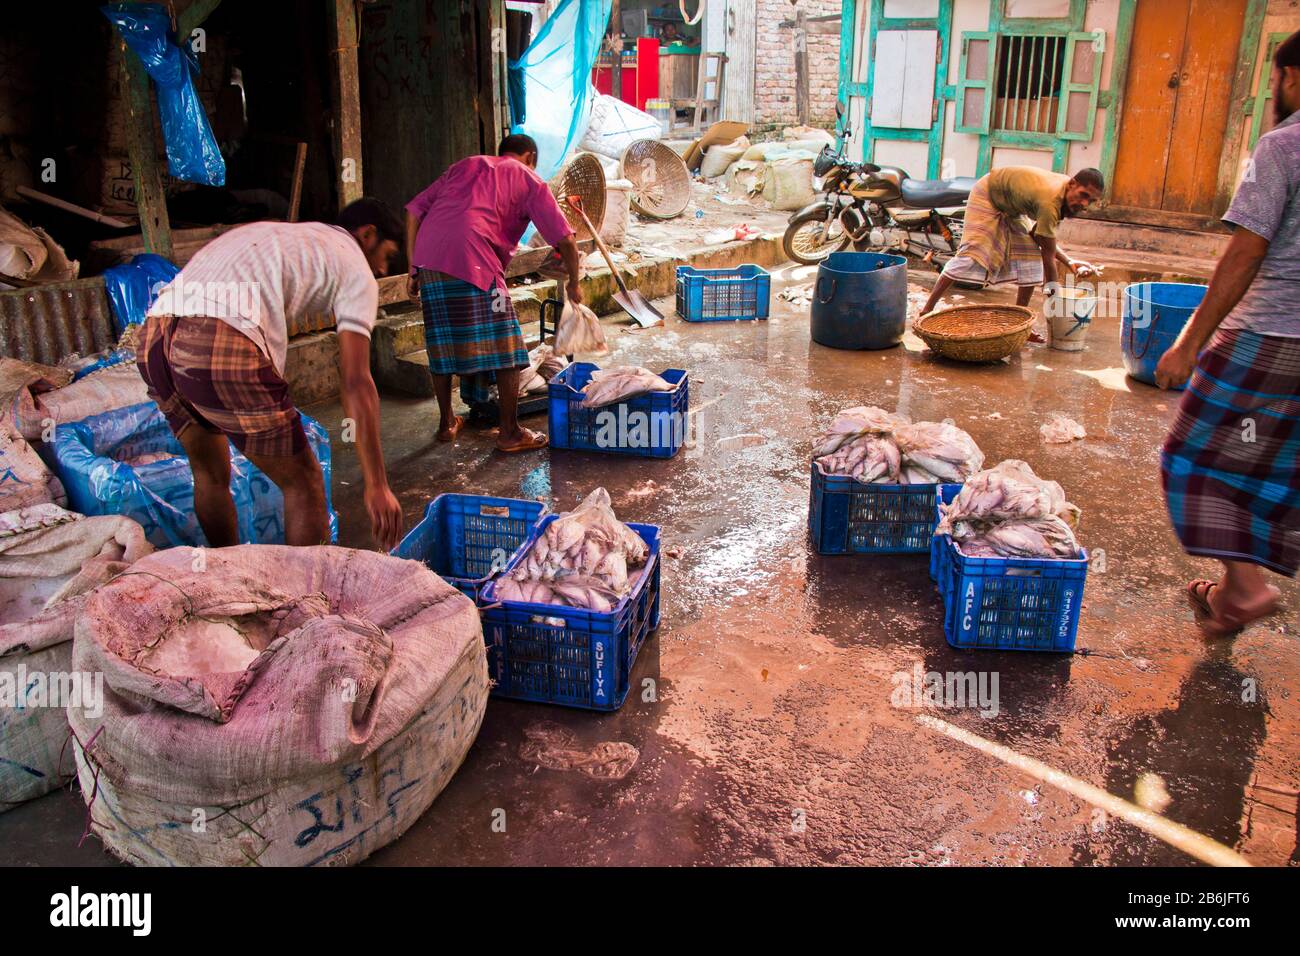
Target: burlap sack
<point x="273" y="705"/>
<point x="50" y="559"/>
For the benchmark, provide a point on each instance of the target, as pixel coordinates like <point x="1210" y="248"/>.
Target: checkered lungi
<point x="1230" y="465"/>
<point x="467" y="330"/>
<point x="203" y="371"/>
<point x="995" y="248"/>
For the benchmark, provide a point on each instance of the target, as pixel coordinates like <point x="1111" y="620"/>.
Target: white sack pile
<point x="621" y="382"/>
<point x="579" y="331"/>
<point x="307" y="704"/>
<point x="584" y="559"/>
<point x="544" y="363"/>
<point x="1009" y="512"/>
<point x="34" y="407"/>
<point x="50" y="559"/>
<point x="870" y="444"/>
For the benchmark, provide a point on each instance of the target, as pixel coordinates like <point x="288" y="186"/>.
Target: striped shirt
<point x="255" y="276"/>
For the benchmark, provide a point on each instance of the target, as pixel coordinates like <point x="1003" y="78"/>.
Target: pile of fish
<point x="621" y="382"/>
<point x="582" y="560"/>
<point x="870" y="444"/>
<point x="544" y="363"/>
<point x="1009" y="512"/>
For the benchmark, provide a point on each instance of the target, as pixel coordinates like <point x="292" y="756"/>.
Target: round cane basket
<point x="661" y="183"/>
<point x="976" y="333"/>
<point x="583" y="177"/>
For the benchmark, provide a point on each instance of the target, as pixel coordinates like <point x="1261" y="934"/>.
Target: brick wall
<point x="774" y="78"/>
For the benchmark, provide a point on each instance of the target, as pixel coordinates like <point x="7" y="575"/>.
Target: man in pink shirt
<point x="462" y="231"/>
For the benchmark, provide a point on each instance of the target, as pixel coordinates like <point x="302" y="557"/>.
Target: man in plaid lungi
<point x="1231" y="462"/>
<point x="997" y="248"/>
<point x="462" y="232"/>
<point x="212" y="353"/>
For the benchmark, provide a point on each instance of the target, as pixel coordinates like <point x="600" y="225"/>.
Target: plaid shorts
<point x="467" y="330"/>
<point x="203" y="371"/>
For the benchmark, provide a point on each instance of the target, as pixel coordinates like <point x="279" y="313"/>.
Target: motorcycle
<point x="877" y="209"/>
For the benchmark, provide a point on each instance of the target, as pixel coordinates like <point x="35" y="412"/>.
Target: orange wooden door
<point x="1176" y="103"/>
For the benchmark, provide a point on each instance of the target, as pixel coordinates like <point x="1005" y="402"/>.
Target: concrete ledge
<point x="399" y="333"/>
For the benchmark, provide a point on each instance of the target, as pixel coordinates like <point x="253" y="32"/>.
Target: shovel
<point x="632" y="301"/>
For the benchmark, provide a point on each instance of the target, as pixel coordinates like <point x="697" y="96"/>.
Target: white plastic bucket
<point x="1068" y="314"/>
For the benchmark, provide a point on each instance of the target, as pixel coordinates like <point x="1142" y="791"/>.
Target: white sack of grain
<point x="789" y="183"/>
<point x="721" y="155"/>
<point x="274" y="706"/>
<point x="50" y="559"/>
<point x="105" y="390"/>
<point x="27" y="481"/>
<point x="618" y="201"/>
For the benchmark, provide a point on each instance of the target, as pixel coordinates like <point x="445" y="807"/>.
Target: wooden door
<point x="1176" y="102"/>
<point x="738" y="78"/>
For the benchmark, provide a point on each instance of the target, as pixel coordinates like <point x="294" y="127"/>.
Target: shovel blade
<point x="636" y="305"/>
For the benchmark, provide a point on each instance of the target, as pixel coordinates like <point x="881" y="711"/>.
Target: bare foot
<point x="449" y="433"/>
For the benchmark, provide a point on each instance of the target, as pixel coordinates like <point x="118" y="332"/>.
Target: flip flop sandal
<point x="533" y="441"/>
<point x="457" y="425"/>
<point x="1198" y="596"/>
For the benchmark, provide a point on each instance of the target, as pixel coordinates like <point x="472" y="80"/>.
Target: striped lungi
<point x="1231" y="462"/>
<point x="467" y="330"/>
<point x="995" y="247"/>
<point x="203" y="371"/>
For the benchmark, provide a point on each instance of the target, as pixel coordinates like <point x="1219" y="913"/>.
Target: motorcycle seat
<point x="932" y="193"/>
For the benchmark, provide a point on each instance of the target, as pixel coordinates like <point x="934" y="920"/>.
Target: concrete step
<point x="1158" y="240"/>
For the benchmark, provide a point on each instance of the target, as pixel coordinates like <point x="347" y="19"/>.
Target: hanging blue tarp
<point x="192" y="153"/>
<point x="555" y="75"/>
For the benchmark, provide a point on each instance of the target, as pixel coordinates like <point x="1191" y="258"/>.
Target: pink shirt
<point x="472" y="216"/>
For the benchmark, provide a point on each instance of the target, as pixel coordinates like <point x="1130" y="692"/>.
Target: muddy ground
<point x="761" y="714"/>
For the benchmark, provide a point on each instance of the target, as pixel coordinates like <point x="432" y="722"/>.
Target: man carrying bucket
<point x="996" y="247"/>
<point x="1231" y="462"/>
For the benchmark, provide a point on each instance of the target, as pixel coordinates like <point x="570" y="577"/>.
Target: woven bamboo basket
<point x="661" y="183"/>
<point x="976" y="333"/>
<point x="585" y="177"/>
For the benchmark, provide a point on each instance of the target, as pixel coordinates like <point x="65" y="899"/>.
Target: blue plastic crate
<point x="1009" y="604"/>
<point x="849" y="517"/>
<point x="570" y="656"/>
<point x="649" y="426"/>
<point x="723" y="295"/>
<point x="468" y="539"/>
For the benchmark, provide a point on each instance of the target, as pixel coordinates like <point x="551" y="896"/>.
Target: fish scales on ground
<point x="1008" y="511"/>
<point x="610" y="385"/>
<point x="870" y="444"/>
<point x="581" y="560"/>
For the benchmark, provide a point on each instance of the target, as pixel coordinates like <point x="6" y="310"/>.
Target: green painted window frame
<point x="1264" y="91"/>
<point x="986" y="84"/>
<point x="1093" y="89"/>
<point x="942" y="24"/>
<point x="1057" y="144"/>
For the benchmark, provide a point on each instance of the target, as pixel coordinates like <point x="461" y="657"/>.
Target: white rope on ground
<point x="1183" y="838"/>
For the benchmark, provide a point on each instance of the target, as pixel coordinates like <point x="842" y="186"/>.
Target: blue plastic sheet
<point x="133" y="287"/>
<point x="556" y="79"/>
<point x="104" y="464"/>
<point x="192" y="153"/>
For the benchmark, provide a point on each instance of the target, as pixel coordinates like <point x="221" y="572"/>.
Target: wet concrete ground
<point x="761" y="709"/>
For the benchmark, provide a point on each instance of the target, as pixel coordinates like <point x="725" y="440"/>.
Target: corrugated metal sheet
<point x="50" y="322"/>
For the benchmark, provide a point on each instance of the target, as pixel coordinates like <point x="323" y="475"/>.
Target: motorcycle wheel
<point x="808" y="242"/>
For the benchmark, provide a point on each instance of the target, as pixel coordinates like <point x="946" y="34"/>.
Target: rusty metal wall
<point x="50" y="322"/>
